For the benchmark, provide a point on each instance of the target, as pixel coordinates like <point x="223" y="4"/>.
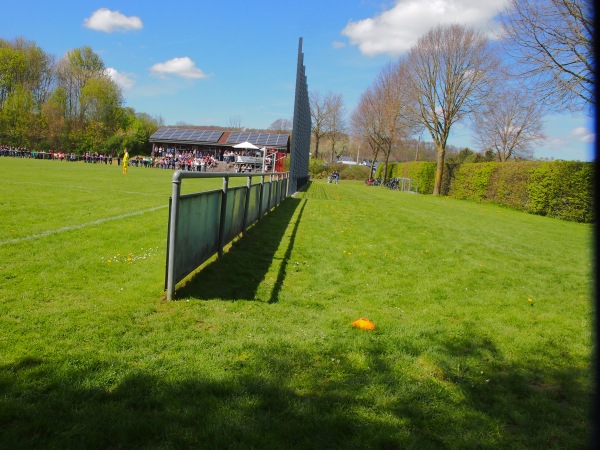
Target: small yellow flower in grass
<point x="530" y="300"/>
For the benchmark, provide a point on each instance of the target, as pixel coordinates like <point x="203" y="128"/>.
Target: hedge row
<point x="561" y="189"/>
<point x="421" y="172"/>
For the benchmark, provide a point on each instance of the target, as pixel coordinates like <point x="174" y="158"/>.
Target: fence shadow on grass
<point x="287" y="396"/>
<point x="238" y="274"/>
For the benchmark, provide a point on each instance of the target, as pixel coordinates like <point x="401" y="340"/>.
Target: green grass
<point x="258" y="350"/>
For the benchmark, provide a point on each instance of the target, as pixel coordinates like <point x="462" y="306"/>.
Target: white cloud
<point x="338" y="44"/>
<point x="122" y="80"/>
<point x="583" y="134"/>
<point x="396" y="30"/>
<point x="181" y="67"/>
<point x="106" y="20"/>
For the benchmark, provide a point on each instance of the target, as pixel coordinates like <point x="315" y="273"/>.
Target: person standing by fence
<point x="125" y="162"/>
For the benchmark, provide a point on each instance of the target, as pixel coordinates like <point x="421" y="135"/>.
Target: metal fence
<point x="403" y="184"/>
<point x="202" y="223"/>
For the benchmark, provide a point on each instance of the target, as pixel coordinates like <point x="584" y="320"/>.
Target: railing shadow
<point x="238" y="274"/>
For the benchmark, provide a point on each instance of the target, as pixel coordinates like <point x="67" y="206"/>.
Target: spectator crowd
<point x="196" y="160"/>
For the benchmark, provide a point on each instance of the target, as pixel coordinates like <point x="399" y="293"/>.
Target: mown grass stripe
<point x="83" y="225"/>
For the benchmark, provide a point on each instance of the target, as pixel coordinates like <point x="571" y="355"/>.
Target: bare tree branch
<point x="452" y="69"/>
<point x="552" y="41"/>
<point x="509" y="124"/>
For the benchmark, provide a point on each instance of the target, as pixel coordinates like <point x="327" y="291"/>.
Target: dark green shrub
<point x="508" y="184"/>
<point x="354" y="172"/>
<point x="317" y="168"/>
<point x="471" y="181"/>
<point x="562" y="189"/>
<point x="420" y="171"/>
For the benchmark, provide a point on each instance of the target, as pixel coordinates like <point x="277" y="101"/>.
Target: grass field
<point x="482" y="339"/>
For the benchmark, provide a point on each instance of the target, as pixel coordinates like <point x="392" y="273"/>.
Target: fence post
<point x="271" y="193"/>
<point x="223" y="216"/>
<point x="260" y="197"/>
<point x="173" y="234"/>
<point x="247" y="203"/>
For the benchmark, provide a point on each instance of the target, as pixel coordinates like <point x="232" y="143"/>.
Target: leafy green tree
<point x="12" y="63"/>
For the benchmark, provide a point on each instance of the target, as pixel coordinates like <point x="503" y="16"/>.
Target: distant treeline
<point x="69" y="104"/>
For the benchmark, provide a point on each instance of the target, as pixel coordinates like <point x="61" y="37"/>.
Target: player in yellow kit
<point x="125" y="162"/>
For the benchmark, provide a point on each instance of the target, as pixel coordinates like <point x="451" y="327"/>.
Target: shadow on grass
<point x="282" y="396"/>
<point x="239" y="272"/>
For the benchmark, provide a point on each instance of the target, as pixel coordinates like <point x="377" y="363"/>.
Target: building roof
<point x="194" y="136"/>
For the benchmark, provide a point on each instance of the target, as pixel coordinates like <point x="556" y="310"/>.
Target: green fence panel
<point x="234" y="215"/>
<point x="197" y="231"/>
<point x="253" y="204"/>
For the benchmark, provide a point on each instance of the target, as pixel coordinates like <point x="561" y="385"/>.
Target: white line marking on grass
<point x="83" y="225"/>
<point x="84" y="188"/>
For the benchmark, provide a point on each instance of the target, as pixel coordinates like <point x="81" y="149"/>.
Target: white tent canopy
<point x="247" y="145"/>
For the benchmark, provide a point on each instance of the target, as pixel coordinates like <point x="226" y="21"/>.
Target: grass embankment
<point x="483" y="319"/>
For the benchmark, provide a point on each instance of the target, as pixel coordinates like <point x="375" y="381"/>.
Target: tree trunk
<point x="441" y="153"/>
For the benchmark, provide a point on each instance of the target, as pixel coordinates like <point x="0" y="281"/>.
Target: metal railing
<point x="202" y="223"/>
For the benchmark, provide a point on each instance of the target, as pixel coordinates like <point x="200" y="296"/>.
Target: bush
<point x="317" y="168"/>
<point x="471" y="181"/>
<point x="420" y="171"/>
<point x="561" y="189"/>
<point x="508" y="184"/>
<point x="354" y="172"/>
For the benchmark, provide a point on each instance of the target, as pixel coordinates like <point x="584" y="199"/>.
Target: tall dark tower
<point x="300" y="149"/>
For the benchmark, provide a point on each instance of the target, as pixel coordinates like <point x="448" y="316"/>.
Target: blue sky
<point x="208" y="62"/>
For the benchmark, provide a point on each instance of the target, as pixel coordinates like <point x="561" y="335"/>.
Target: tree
<point x="336" y="124"/>
<point x="450" y="73"/>
<point x="235" y="123"/>
<point x="552" y="41"/>
<point x="74" y="70"/>
<point x="24" y="64"/>
<point x="509" y="124"/>
<point x="17" y="118"/>
<point x="101" y="101"/>
<point x="282" y="125"/>
<point x="53" y="118"/>
<point x="388" y="107"/>
<point x="321" y="110"/>
<point x="12" y="63"/>
<point x="362" y="124"/>
<point x="380" y="117"/>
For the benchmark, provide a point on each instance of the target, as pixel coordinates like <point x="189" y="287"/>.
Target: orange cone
<point x="363" y="323"/>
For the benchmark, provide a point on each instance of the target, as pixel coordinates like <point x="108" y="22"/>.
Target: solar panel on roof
<point x="213" y="136"/>
<point x="195" y="135"/>
<point x="233" y="137"/>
